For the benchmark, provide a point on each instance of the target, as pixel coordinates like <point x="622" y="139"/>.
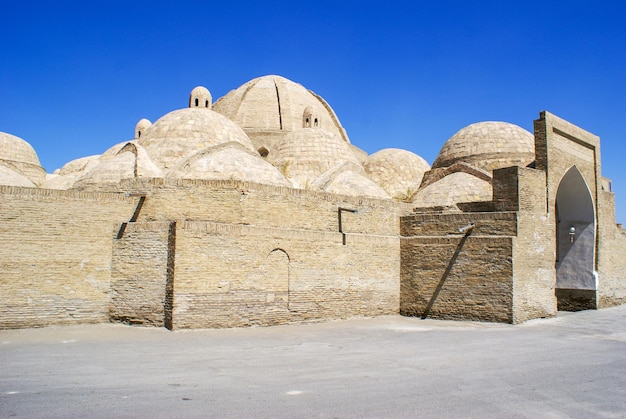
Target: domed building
<point x="257" y="210"/>
<point x="270" y="107"/>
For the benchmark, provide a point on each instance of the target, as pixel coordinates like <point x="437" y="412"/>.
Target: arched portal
<point x="575" y="244"/>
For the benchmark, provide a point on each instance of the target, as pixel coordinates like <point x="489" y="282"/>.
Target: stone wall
<point x="447" y="274"/>
<point x="55" y="263"/>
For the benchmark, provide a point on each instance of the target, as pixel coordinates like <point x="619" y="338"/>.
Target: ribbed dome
<point x="453" y="189"/>
<point x="488" y="146"/>
<point x="20" y="156"/>
<point x="228" y="161"/>
<point x="397" y="171"/>
<point x="305" y="154"/>
<point x="269" y="107"/>
<point x="185" y="131"/>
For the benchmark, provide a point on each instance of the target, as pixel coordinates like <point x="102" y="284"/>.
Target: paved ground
<point x="570" y="366"/>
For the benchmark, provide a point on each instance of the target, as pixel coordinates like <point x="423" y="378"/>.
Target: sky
<point x="75" y="77"/>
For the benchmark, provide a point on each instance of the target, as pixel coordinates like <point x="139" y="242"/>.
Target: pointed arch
<point x="575" y="243"/>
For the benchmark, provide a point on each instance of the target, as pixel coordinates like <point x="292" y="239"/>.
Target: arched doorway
<point x="575" y="244"/>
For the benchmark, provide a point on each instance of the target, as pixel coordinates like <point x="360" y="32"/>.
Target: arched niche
<point x="575" y="243"/>
<point x="276" y="278"/>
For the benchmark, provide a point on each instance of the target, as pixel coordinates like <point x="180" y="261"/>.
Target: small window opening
<point x="206" y="103"/>
<point x="138" y="134"/>
<point x="196" y="102"/>
<point x="315" y="122"/>
<point x="263" y="151"/>
<point x="308" y="123"/>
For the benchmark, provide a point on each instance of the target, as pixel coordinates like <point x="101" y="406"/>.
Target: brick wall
<point x="55" y="264"/>
<point x="446" y="274"/>
<point x="139" y="274"/>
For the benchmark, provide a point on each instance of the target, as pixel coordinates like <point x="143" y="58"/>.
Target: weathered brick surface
<point x="235" y="275"/>
<point x="139" y="274"/>
<point x="611" y="256"/>
<point x="457" y="277"/>
<point x="55" y="264"/>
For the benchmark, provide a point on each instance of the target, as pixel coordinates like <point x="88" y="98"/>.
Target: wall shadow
<point x="445" y="275"/>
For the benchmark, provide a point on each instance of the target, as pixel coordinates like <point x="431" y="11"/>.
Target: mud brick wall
<point x="449" y="275"/>
<point x="236" y="275"/>
<point x="55" y="262"/>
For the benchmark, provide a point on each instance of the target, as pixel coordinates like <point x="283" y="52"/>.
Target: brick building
<point x="257" y="210"/>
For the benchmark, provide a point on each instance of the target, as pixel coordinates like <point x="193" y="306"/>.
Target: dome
<point x="453" y="189"/>
<point x="269" y="107"/>
<point x="79" y="165"/>
<point x="141" y="127"/>
<point x="228" y="161"/>
<point x="399" y="172"/>
<point x="305" y="154"/>
<point x="200" y="97"/>
<point x="10" y="177"/>
<point x="349" y="180"/>
<point x="185" y="131"/>
<point x="130" y="162"/>
<point x="19" y="156"/>
<point x="488" y="146"/>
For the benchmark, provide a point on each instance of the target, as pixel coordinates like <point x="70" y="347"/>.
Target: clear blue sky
<point x="75" y="77"/>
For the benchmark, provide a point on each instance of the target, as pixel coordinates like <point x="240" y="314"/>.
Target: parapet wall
<point x="56" y="257"/>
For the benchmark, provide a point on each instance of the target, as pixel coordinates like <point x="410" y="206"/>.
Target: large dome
<point x="269" y="107"/>
<point x="20" y="156"/>
<point x="399" y="172"/>
<point x="185" y="131"/>
<point x="307" y="153"/>
<point x="488" y="146"/>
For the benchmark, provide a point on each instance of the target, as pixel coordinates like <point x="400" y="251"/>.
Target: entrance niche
<point x="276" y="278"/>
<point x="575" y="244"/>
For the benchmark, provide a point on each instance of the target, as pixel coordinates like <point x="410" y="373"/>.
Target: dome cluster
<point x="274" y="131"/>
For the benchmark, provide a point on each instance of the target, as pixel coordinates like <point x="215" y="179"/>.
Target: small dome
<point x="19" y="156"/>
<point x="79" y="165"/>
<point x="399" y="172"/>
<point x="349" y="180"/>
<point x="141" y="127"/>
<point x="228" y="161"/>
<point x="305" y="154"/>
<point x="453" y="189"/>
<point x="200" y="97"/>
<point x="10" y="177"/>
<point x="488" y="146"/>
<point x="181" y="133"/>
<point x="130" y="162"/>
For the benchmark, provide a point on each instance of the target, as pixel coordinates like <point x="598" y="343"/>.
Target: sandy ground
<point x="573" y="365"/>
